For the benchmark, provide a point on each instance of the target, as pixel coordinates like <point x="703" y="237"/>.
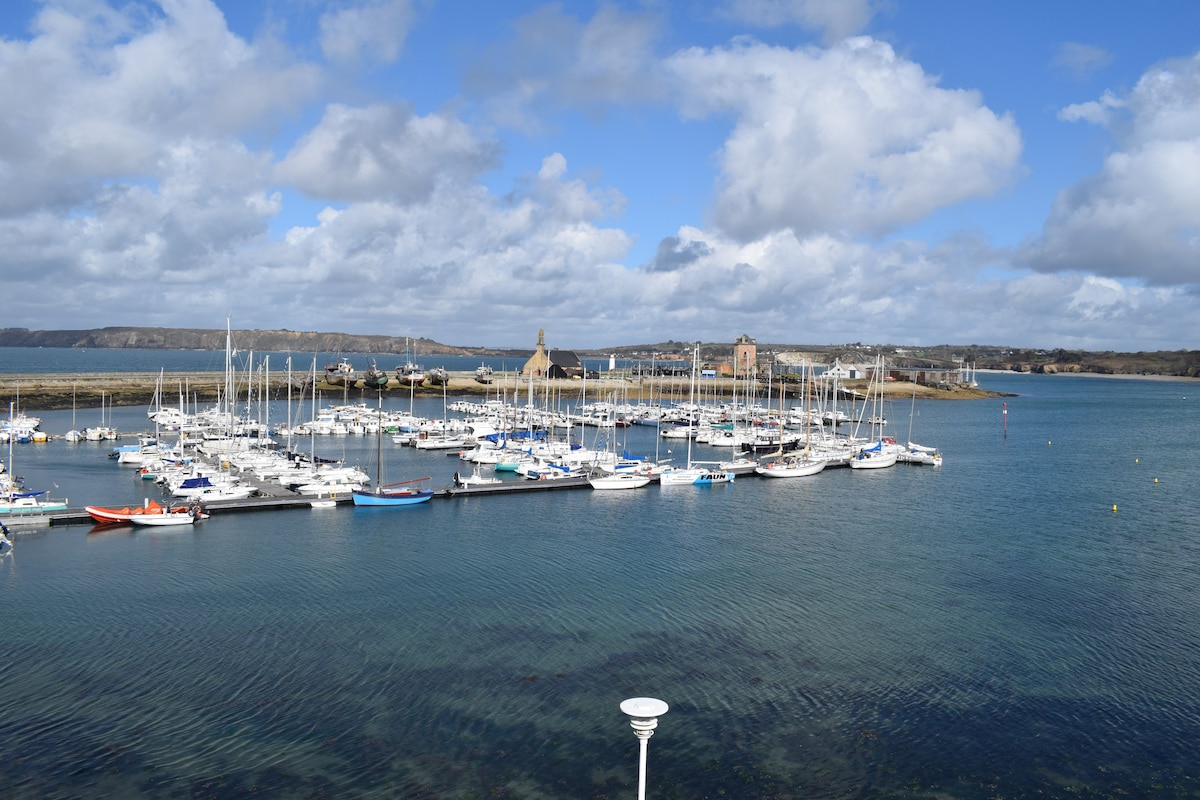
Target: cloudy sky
<point x="805" y="171"/>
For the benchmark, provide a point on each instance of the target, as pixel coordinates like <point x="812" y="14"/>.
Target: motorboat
<point x="166" y="517"/>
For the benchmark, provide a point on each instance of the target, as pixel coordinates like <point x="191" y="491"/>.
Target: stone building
<point x="745" y="356"/>
<point x="553" y="363"/>
<point x="539" y="362"/>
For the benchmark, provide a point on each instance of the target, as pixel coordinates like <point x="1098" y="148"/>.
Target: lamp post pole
<point x="643" y="718"/>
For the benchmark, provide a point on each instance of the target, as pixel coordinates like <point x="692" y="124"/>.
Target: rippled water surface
<point x="988" y="628"/>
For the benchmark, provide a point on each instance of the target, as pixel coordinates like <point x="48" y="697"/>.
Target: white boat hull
<point x="621" y="480"/>
<point x="694" y="477"/>
<point x="869" y="460"/>
<point x="166" y="520"/>
<point x="790" y="469"/>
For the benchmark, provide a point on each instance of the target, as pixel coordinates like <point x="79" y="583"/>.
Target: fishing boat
<point x="410" y="374"/>
<point x="438" y="376"/>
<point x="483" y="373"/>
<point x="339" y="373"/>
<point x="375" y="378"/>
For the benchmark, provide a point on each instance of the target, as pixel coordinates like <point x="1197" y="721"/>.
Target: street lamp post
<point x="643" y="718"/>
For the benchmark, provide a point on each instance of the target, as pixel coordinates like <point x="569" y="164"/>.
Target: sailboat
<point x="916" y="453"/>
<point x="392" y="494"/>
<point x="102" y="431"/>
<point x="73" y="435"/>
<point x="22" y="506"/>
<point x="883" y="453"/>
<point x="617" y="479"/>
<point x="693" y="474"/>
<point x="796" y="464"/>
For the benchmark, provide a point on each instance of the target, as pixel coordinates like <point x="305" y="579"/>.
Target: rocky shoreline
<point x="52" y="391"/>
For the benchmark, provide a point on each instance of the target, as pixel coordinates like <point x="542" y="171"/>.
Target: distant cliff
<point x="205" y="339"/>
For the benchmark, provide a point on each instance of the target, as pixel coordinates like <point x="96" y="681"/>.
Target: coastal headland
<point x="50" y="391"/>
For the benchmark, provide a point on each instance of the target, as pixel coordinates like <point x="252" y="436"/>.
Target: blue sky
<point x="804" y="171"/>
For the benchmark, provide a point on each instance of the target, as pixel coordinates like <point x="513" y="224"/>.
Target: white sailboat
<point x="17" y="505"/>
<point x="694" y="474"/>
<point x="73" y="435"/>
<point x="615" y="472"/>
<point x="800" y="463"/>
<point x="881" y="453"/>
<point x="916" y="453"/>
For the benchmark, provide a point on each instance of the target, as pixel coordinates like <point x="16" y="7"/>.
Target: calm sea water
<point x="990" y="628"/>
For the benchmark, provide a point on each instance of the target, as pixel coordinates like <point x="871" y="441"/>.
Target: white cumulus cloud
<point x="382" y="152"/>
<point x="853" y="138"/>
<point x="1139" y="216"/>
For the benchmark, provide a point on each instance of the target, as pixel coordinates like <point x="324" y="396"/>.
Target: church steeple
<point x="539" y="363"/>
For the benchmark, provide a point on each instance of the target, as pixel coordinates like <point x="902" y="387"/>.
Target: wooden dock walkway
<point x="273" y="497"/>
